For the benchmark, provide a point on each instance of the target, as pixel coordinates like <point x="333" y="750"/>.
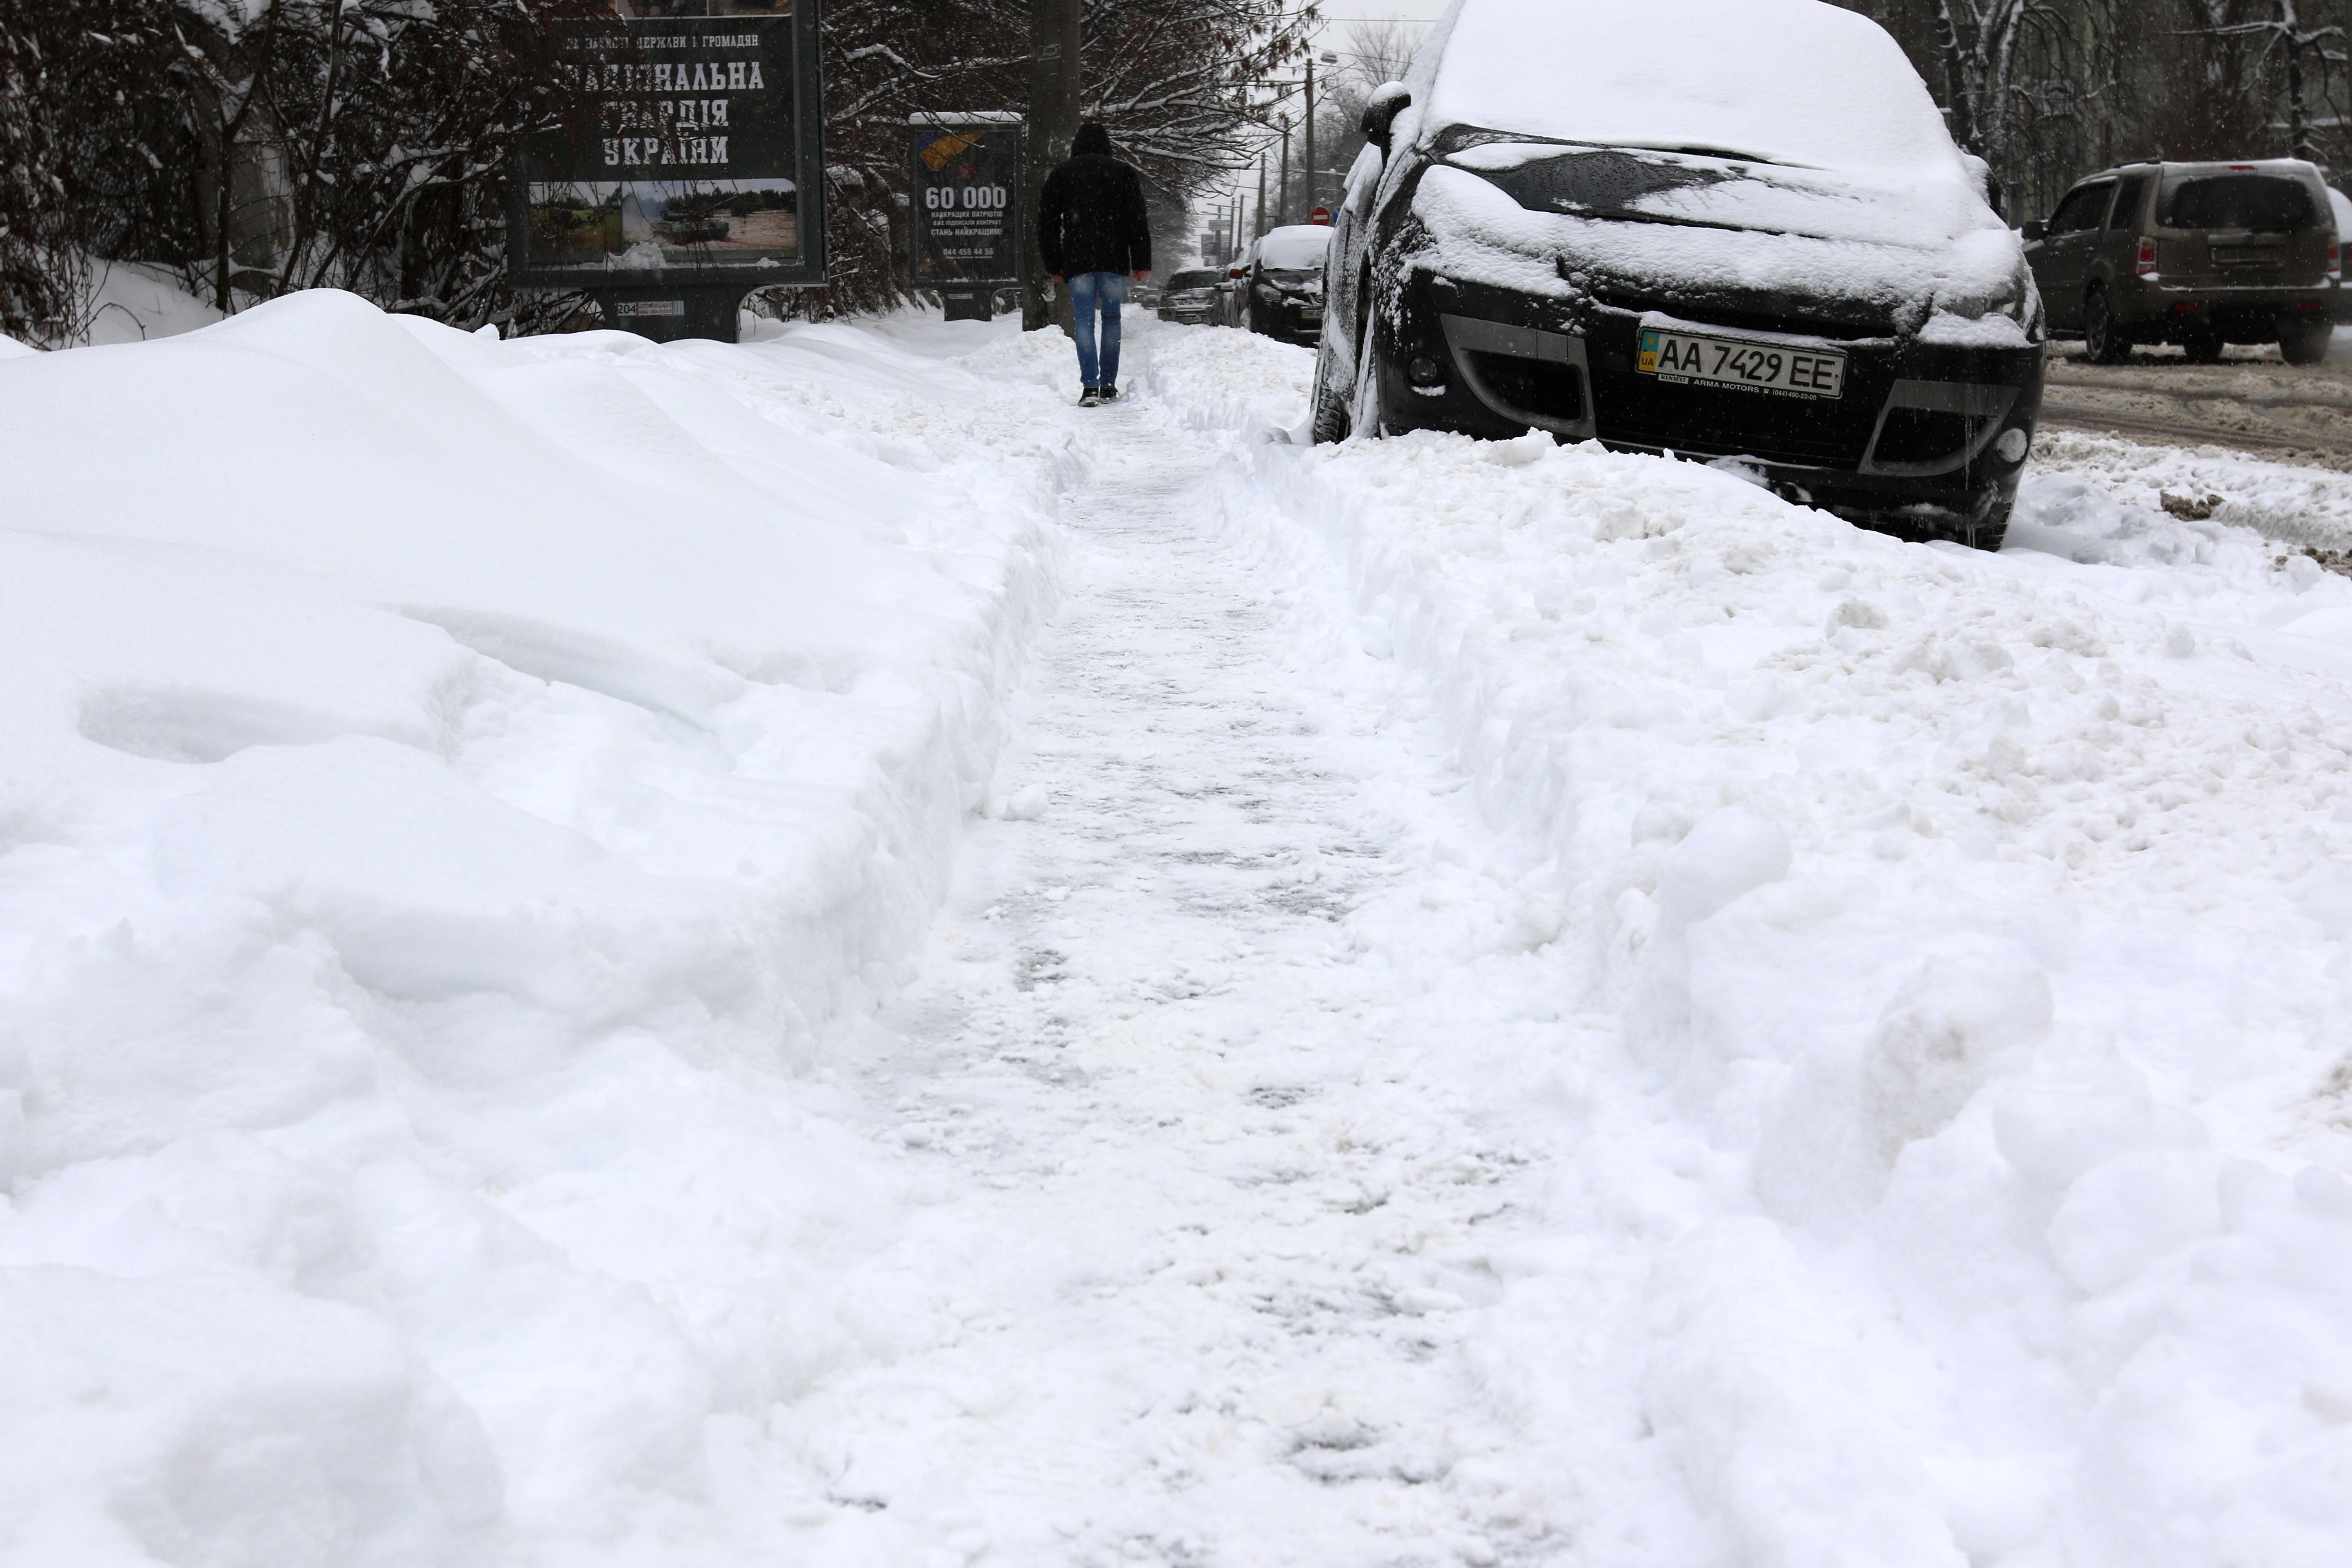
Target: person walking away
<point x="1094" y="234"/>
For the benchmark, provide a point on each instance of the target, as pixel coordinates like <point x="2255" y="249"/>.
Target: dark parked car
<point x="1285" y="288"/>
<point x="1193" y="296"/>
<point x="1556" y="226"/>
<point x="1234" y="290"/>
<point x="2195" y="254"/>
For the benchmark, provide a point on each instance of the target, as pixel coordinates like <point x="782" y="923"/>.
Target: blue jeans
<point x="1089" y="291"/>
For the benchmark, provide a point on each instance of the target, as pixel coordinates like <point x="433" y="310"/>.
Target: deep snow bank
<point x="446" y="788"/>
<point x="1990" y="916"/>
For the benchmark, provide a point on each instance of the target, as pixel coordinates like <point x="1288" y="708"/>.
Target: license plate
<point x="1311" y="314"/>
<point x="1752" y="367"/>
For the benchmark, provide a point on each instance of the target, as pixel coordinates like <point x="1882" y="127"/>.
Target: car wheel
<point x="1330" y="422"/>
<point x="2101" y="336"/>
<point x="2305" y="345"/>
<point x="2202" y="348"/>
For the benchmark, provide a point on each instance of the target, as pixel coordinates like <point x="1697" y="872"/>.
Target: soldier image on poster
<point x="966" y="199"/>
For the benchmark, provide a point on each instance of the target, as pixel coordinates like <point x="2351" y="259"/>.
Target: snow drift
<point x="448" y="788"/>
<point x="1986" y="919"/>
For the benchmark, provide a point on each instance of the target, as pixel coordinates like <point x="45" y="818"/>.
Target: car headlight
<point x="2014" y="296"/>
<point x="1268" y="291"/>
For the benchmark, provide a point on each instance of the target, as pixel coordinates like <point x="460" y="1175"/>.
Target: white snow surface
<point x="445" y="788"/>
<point x="586" y="978"/>
<point x="1949" y="1113"/>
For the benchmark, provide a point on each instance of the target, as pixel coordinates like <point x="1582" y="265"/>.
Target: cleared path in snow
<point x="1190" y="1070"/>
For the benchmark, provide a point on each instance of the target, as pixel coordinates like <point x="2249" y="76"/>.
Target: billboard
<point x="701" y="166"/>
<point x="966" y="199"/>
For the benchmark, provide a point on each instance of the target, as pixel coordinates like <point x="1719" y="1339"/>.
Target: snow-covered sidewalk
<point x="1200" y="1084"/>
<point x="1488" y="1003"/>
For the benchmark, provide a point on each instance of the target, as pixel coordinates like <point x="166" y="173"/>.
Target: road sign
<point x="1321" y="216"/>
<point x="701" y="172"/>
<point x="965" y="196"/>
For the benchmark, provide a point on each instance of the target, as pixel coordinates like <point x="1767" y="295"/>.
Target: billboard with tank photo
<point x="698" y="161"/>
<point x="641" y="224"/>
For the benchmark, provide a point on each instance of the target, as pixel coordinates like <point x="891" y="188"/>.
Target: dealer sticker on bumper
<point x="1685" y="357"/>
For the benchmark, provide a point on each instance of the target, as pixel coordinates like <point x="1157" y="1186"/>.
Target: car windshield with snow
<point x="1624" y="223"/>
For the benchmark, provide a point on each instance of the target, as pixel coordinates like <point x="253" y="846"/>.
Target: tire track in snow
<point x="1190" y="1080"/>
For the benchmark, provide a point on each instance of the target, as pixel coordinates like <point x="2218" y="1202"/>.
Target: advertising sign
<point x="966" y="198"/>
<point x="702" y="166"/>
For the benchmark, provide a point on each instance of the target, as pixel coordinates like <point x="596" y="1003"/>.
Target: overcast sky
<point x="1339" y="13"/>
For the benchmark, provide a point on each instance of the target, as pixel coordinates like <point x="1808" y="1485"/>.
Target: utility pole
<point x="1311" y="203"/>
<point x="1282" y="207"/>
<point x="1259" y="232"/>
<point x="1054" y="90"/>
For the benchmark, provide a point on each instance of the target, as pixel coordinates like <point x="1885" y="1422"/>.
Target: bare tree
<point x="2286" y="51"/>
<point x="1187" y="89"/>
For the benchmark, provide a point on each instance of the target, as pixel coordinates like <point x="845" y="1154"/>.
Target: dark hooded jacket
<point x="1090" y="216"/>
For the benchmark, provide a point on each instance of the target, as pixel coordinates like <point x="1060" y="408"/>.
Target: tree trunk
<point x="1055" y="36"/>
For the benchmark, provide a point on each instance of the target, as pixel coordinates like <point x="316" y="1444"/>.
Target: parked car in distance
<point x="1557" y="227"/>
<point x="2195" y="254"/>
<point x="1236" y="285"/>
<point x="1285" y="288"/>
<point x="1193" y="296"/>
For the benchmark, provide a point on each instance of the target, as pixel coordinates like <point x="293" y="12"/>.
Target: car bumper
<point x="1912" y="447"/>
<point x="2152" y="308"/>
<point x="1290" y="323"/>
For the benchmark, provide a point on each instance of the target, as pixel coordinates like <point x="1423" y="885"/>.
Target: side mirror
<point x="1382" y="110"/>
<point x="2034" y="230"/>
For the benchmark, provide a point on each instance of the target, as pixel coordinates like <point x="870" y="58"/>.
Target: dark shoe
<point x="1110" y="394"/>
<point x="1090" y="397"/>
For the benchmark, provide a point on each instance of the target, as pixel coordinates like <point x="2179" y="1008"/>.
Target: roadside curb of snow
<point x="1864" y="904"/>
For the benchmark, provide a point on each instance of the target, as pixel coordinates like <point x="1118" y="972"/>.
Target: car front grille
<point x="1636" y="410"/>
<point x="1581" y="386"/>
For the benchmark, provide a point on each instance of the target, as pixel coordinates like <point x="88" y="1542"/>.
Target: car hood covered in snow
<point x="1705" y="149"/>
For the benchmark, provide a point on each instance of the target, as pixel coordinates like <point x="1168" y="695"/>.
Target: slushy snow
<point x="591" y="972"/>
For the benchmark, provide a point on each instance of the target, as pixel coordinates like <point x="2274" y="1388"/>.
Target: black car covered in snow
<point x="1193" y="296"/>
<point x="1719" y="228"/>
<point x="1285" y="286"/>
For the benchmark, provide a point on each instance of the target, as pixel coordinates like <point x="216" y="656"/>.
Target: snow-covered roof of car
<point x="1796" y="81"/>
<point x="1294" y="246"/>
